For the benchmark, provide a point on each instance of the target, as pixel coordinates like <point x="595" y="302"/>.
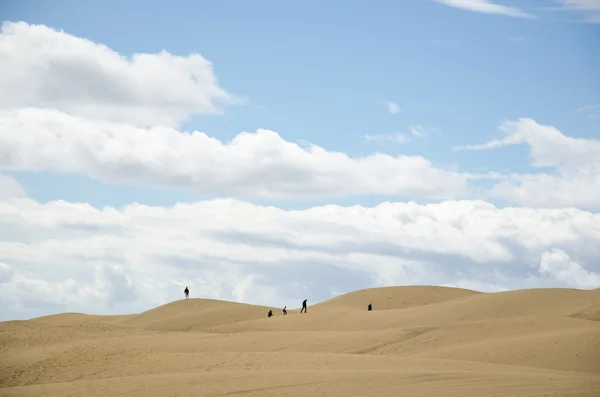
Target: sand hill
<point x="418" y="341"/>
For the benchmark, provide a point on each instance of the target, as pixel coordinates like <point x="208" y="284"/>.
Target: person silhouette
<point x="270" y="314"/>
<point x="284" y="310"/>
<point x="186" y="292"/>
<point x="303" y="306"/>
<point x="370" y="307"/>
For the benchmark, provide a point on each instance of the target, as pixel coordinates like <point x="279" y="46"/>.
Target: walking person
<point x="303" y="306"/>
<point x="284" y="310"/>
<point x="186" y="292"/>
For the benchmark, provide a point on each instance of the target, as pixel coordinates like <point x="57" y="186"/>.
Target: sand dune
<point x="394" y="297"/>
<point x="196" y="314"/>
<point x="425" y="341"/>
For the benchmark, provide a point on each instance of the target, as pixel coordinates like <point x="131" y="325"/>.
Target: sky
<point x="269" y="152"/>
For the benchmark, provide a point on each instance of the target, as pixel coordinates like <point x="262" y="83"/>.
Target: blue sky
<point x="322" y="73"/>
<point x="413" y="142"/>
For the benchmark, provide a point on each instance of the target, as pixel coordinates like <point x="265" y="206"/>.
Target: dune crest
<point x="418" y="340"/>
<point x="386" y="298"/>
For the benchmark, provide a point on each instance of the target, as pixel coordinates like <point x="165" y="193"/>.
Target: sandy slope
<point x="418" y="341"/>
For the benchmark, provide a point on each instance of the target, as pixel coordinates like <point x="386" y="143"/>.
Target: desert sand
<point x="418" y="341"/>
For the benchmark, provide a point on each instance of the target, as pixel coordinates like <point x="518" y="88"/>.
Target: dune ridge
<point x="419" y="340"/>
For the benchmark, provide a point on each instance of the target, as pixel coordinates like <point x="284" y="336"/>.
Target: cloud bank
<point x="61" y="256"/>
<point x="78" y="107"/>
<point x="260" y="164"/>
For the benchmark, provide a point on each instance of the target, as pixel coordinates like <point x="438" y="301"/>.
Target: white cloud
<point x="558" y="265"/>
<point x="259" y="164"/>
<point x="6" y="273"/>
<point x="43" y="67"/>
<point x="78" y="107"/>
<point x="399" y="139"/>
<point x="486" y="7"/>
<point x="393" y="108"/>
<point x="414" y="131"/>
<point x="589" y="8"/>
<point x="593" y="113"/>
<point x="422" y="130"/>
<point x="549" y="147"/>
<point x="63" y="256"/>
<point x="493" y="144"/>
<point x="9" y="187"/>
<point x="589" y="108"/>
<point x="417" y="130"/>
<point x="579" y="188"/>
<point x="576" y="162"/>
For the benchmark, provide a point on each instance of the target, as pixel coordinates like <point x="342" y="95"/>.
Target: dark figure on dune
<point x="284" y="310"/>
<point x="270" y="313"/>
<point x="303" y="306"/>
<point x="370" y="307"/>
<point x="186" y="292"/>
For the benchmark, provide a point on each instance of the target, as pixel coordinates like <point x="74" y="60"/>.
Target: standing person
<point x="270" y="314"/>
<point x="186" y="292"/>
<point x="303" y="306"/>
<point x="284" y="310"/>
<point x="370" y="307"/>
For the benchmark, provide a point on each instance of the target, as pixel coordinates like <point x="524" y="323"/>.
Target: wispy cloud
<point x="493" y="144"/>
<point x="486" y="7"/>
<point x="589" y="109"/>
<point x="422" y="130"/>
<point x="393" y="107"/>
<point x="508" y="140"/>
<point x="415" y="131"/>
<point x="592" y="112"/>
<point x="399" y="139"/>
<point x="590" y="9"/>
